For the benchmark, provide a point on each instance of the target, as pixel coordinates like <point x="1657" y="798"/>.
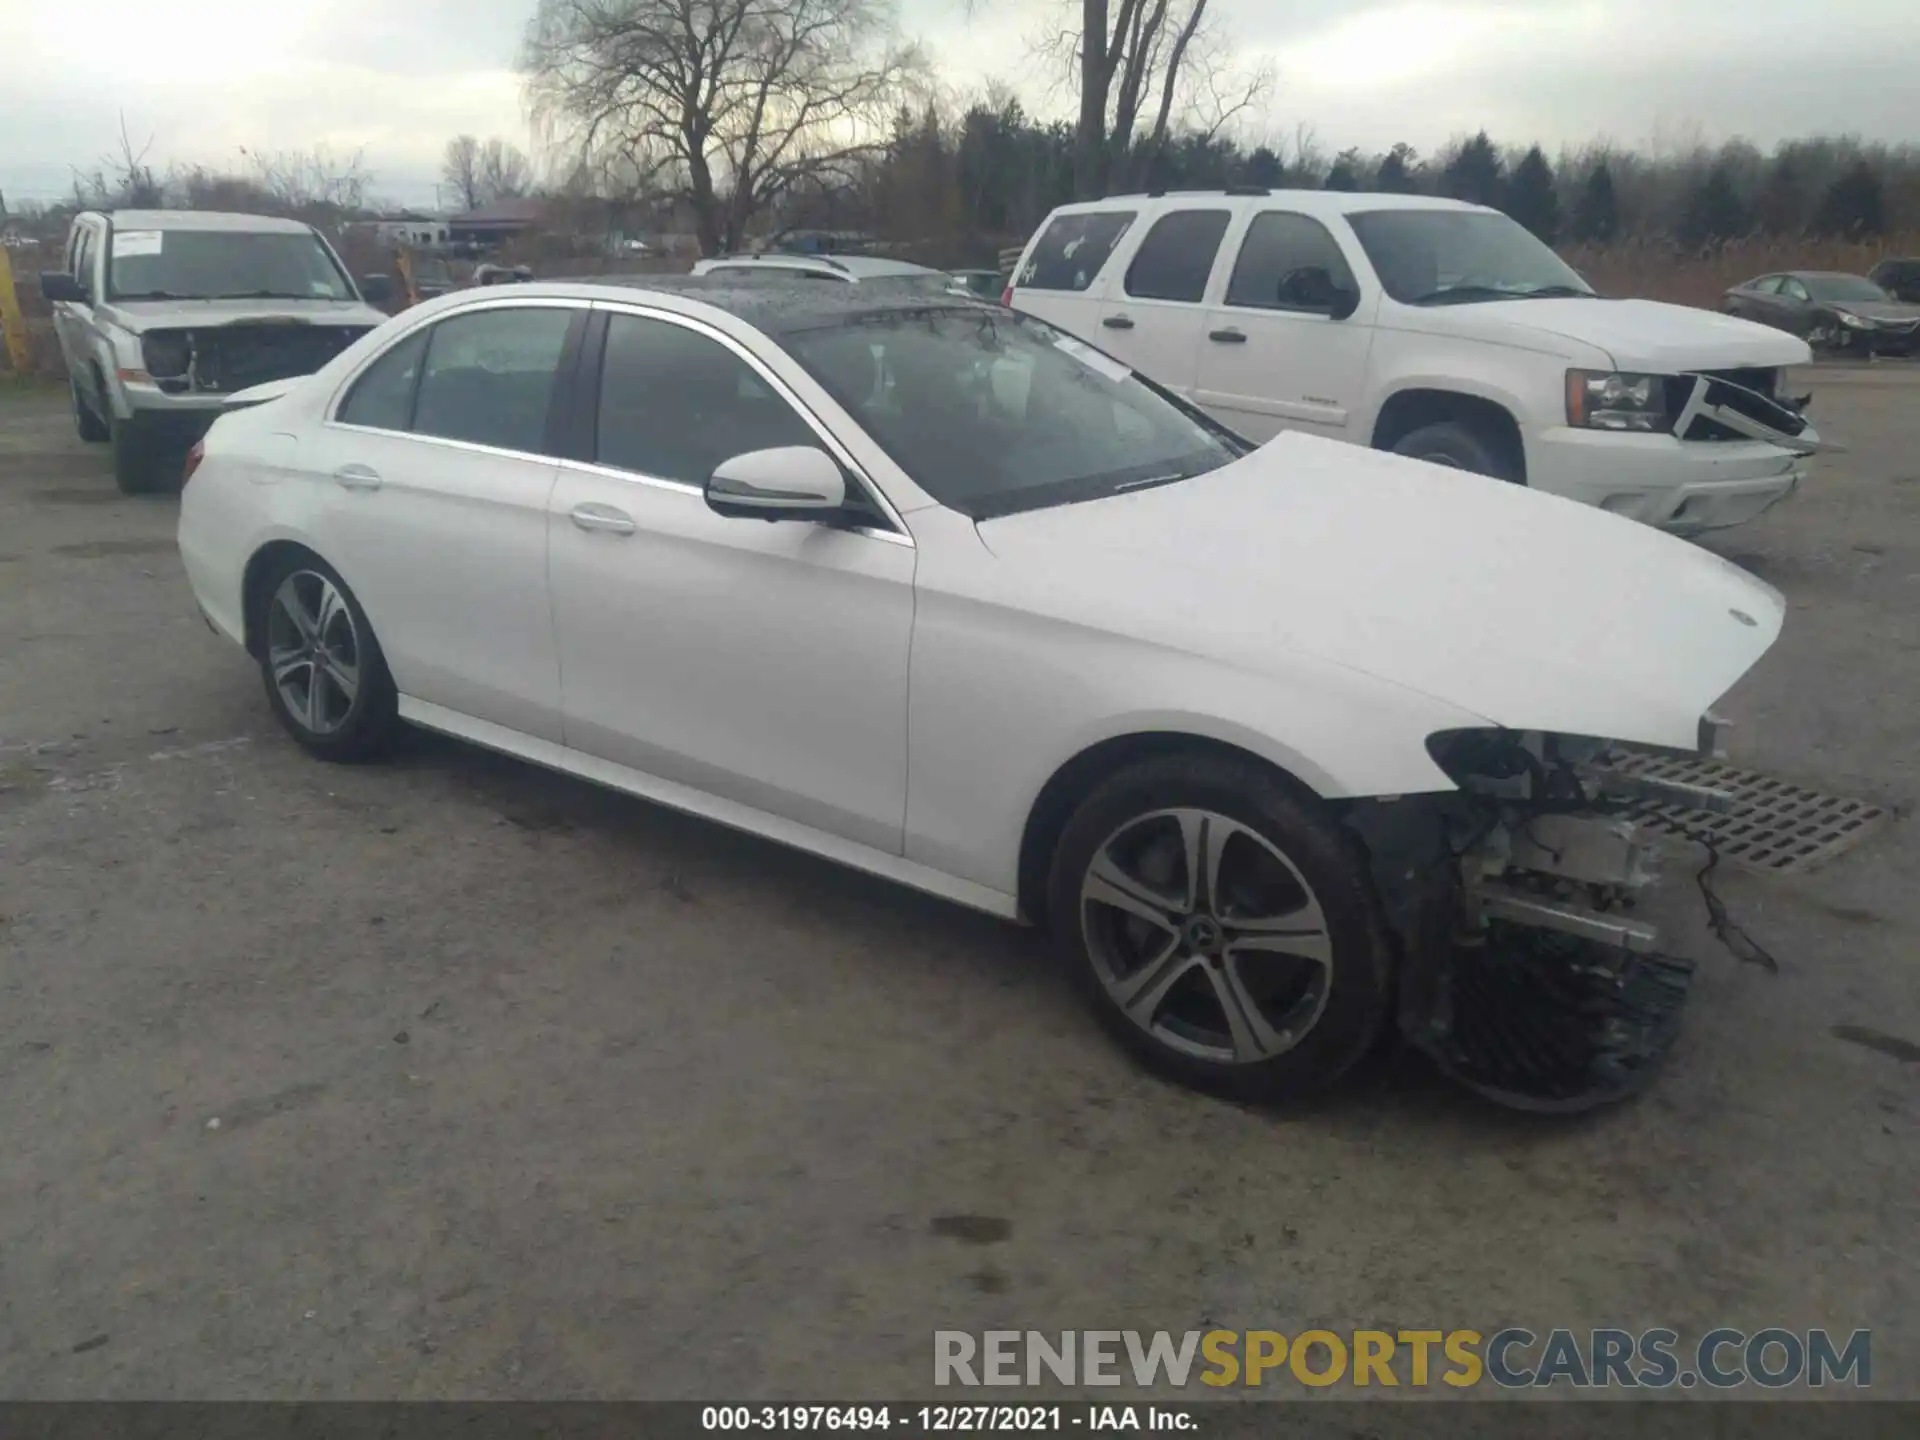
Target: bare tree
<point x="505" y="172"/>
<point x="312" y="180"/>
<point x="726" y="104"/>
<point x="124" y="179"/>
<point x="1133" y="58"/>
<point x="460" y="170"/>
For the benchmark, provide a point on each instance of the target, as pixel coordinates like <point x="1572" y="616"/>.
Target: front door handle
<point x="1227" y="337"/>
<point x="1117" y="322"/>
<point x="602" y="517"/>
<point x="358" y="477"/>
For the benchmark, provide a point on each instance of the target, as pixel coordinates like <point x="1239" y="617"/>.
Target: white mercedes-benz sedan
<point x="1285" y="744"/>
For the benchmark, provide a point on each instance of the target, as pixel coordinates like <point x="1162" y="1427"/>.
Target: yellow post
<point x="403" y="262"/>
<point x="12" y="321"/>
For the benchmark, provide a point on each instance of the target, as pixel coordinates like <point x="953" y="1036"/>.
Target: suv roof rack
<point x="1248" y="190"/>
<point x="1224" y="190"/>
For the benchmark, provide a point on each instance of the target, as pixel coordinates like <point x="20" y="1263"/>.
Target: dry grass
<point x="1658" y="270"/>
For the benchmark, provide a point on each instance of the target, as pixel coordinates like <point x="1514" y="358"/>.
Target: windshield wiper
<point x="1548" y="292"/>
<point x="149" y="295"/>
<point x="1453" y="294"/>
<point x="268" y="295"/>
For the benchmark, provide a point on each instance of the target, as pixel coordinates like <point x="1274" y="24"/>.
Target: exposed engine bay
<point x="218" y="359"/>
<point x="1530" y="972"/>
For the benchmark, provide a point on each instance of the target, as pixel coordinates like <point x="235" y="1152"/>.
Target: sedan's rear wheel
<point x="325" y="676"/>
<point x="1222" y="929"/>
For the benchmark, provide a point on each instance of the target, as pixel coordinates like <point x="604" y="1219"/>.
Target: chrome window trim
<point x="898" y="535"/>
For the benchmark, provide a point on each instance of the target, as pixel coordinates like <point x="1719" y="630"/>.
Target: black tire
<point x="90" y="426"/>
<point x="361" y="727"/>
<point x="139" y="464"/>
<point x="1458" y="446"/>
<point x="1353" y="990"/>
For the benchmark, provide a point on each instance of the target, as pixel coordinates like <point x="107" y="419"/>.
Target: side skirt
<point x="708" y="807"/>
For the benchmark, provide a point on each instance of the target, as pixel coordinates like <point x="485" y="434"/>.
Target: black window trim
<point x="1126" y="278"/>
<point x="557" y="403"/>
<point x="582" y="413"/>
<point x="1253" y="218"/>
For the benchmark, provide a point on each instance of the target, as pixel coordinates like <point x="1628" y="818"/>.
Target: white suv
<point x="1434" y="329"/>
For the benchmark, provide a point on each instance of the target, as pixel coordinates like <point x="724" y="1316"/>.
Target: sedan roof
<point x="776" y="310"/>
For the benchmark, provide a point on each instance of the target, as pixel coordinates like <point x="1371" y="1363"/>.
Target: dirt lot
<point x="524" y="1089"/>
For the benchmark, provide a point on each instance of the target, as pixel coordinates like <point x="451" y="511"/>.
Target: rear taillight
<point x="1006" y="297"/>
<point x="194" y="457"/>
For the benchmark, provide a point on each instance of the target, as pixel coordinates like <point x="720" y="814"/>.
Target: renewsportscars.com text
<point x="1512" y="1358"/>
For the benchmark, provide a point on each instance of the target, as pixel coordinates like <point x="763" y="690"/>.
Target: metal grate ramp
<point x="1776" y="827"/>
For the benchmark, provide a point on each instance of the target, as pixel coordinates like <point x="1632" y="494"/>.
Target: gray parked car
<point x="164" y="314"/>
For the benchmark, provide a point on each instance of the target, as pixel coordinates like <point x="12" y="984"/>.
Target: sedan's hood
<point x="140" y="316"/>
<point x="1640" y="335"/>
<point x="1530" y="611"/>
<point x="1897" y="311"/>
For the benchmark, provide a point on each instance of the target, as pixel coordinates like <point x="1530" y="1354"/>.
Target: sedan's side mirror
<point x="58" y="285"/>
<point x="791" y="482"/>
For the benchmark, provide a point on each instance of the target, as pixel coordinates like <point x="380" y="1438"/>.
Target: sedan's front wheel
<point x="325" y="676"/>
<point x="1222" y="929"/>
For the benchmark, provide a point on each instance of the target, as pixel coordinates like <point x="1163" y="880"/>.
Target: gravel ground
<point x="523" y="1089"/>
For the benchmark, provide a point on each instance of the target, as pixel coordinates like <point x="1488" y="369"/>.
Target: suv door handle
<point x="1227" y="337"/>
<point x="358" y="477"/>
<point x="1116" y="322"/>
<point x="602" y="517"/>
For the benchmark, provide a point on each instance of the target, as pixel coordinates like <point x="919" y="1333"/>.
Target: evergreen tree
<point x="1531" y="198"/>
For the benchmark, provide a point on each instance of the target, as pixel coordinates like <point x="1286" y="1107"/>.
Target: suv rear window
<point x="1070" y="251"/>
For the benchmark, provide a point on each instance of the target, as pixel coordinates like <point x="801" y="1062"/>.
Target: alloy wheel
<point x="313" y="651"/>
<point x="1207" y="936"/>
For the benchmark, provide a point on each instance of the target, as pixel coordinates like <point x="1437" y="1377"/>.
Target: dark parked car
<point x="1899" y="278"/>
<point x="1842" y="314"/>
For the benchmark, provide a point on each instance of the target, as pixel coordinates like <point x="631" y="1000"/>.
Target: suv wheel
<point x="1221" y="928"/>
<point x="139" y="464"/>
<point x="1456" y="446"/>
<point x="85" y="421"/>
<point x="325" y="676"/>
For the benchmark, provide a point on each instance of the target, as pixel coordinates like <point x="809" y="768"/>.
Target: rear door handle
<point x="358" y="477"/>
<point x="1117" y="322"/>
<point x="1227" y="337"/>
<point x="602" y="517"/>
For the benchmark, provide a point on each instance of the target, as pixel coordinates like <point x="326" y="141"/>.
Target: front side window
<point x="1288" y="262"/>
<point x="1070" y="251"/>
<point x="222" y="265"/>
<point x="1176" y="258"/>
<point x="675" y="403"/>
<point x="992" y="411"/>
<point x="489" y="377"/>
<point x="1457" y="257"/>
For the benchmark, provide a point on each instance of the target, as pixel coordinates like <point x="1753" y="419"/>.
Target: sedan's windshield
<point x="991" y="411"/>
<point x="222" y="264"/>
<point x="1844" y="287"/>
<point x="1453" y="257"/>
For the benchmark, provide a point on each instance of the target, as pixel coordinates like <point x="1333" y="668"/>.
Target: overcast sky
<point x="395" y="78"/>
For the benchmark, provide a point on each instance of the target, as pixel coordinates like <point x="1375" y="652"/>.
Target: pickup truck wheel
<point x="139" y="466"/>
<point x="91" y="429"/>
<point x="1449" y="443"/>
<point x="1221" y="929"/>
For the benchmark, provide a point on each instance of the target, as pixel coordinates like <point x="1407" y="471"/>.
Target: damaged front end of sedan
<point x="1531" y="972"/>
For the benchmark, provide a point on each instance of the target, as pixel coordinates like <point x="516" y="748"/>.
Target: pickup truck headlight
<point x="1611" y="400"/>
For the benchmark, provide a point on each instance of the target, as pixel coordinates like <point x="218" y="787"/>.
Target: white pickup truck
<point x="1435" y="329"/>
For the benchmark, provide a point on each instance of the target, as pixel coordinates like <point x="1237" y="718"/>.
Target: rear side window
<point x="1173" y="262"/>
<point x="489" y="377"/>
<point x="1288" y="262"/>
<point x="1767" y="286"/>
<point x="674" y="403"/>
<point x="1070" y="251"/>
<point x="382" y="398"/>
